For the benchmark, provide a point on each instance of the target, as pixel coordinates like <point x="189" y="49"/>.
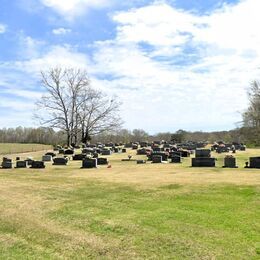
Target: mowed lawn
<point x="11" y="148"/>
<point x="130" y="211"/>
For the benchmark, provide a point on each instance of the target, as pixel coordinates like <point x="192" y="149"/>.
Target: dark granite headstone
<point x="21" y="164"/>
<point x="203" y="162"/>
<point x="106" y="152"/>
<point x="38" y="165"/>
<point x="78" y="157"/>
<point x="202" y="153"/>
<point x="51" y="154"/>
<point x="141" y="151"/>
<point x="102" y="161"/>
<point x="60" y="161"/>
<point x="162" y="154"/>
<point x="157" y="159"/>
<point x="46" y="158"/>
<point x="7" y="164"/>
<point x="176" y="159"/>
<point x="254" y="162"/>
<point x="229" y="162"/>
<point x="89" y="163"/>
<point x="69" y="152"/>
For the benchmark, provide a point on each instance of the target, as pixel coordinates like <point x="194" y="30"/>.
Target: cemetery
<point x="192" y="154"/>
<point x="150" y="190"/>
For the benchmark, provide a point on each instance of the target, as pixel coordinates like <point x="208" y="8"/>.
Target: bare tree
<point x="73" y="106"/>
<point x="251" y="117"/>
<point x="98" y="114"/>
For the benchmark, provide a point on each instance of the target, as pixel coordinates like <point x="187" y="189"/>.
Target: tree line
<point x="47" y="135"/>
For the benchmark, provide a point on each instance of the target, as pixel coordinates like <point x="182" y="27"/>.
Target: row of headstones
<point x="229" y="162"/>
<point x="86" y="163"/>
<point x="203" y="159"/>
<point x="93" y="151"/>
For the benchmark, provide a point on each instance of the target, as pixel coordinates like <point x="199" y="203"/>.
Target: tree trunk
<point x="85" y="137"/>
<point x="68" y="139"/>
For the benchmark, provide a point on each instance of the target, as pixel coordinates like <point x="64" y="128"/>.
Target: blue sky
<point x="174" y="64"/>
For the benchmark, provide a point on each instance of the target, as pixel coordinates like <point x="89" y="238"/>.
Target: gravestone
<point x="229" y="162"/>
<point x="203" y="162"/>
<point x="116" y="150"/>
<point x="162" y="154"/>
<point x="102" y="161"/>
<point x="21" y="164"/>
<point x="38" y="165"/>
<point x="78" y="157"/>
<point x="254" y="162"/>
<point x="46" y="158"/>
<point x="7" y="164"/>
<point x="69" y="152"/>
<point x="202" y="153"/>
<point x="141" y="151"/>
<point x="51" y="154"/>
<point x="89" y="163"/>
<point x="106" y="152"/>
<point x="176" y="159"/>
<point x="60" y="161"/>
<point x="157" y="159"/>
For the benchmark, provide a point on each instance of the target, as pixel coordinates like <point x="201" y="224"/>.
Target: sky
<point x="174" y="64"/>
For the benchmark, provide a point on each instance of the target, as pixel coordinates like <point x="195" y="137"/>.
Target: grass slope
<point x="12" y="148"/>
<point x="130" y="211"/>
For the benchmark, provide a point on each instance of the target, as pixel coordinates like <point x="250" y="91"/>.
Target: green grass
<point x="11" y="148"/>
<point x="201" y="223"/>
<point x="130" y="211"/>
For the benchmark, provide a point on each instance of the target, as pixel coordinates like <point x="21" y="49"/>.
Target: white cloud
<point x="2" y="28"/>
<point x="72" y="8"/>
<point x="61" y="30"/>
<point x="181" y="69"/>
<point x="63" y="56"/>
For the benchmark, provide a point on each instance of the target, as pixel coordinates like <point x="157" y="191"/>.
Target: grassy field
<point x="11" y="148"/>
<point x="130" y="211"/>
